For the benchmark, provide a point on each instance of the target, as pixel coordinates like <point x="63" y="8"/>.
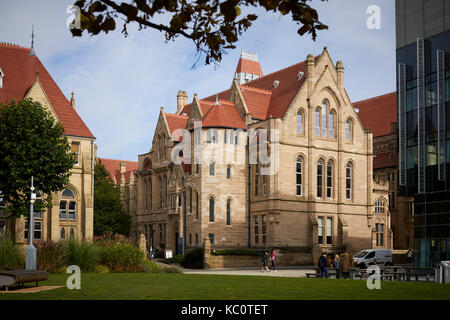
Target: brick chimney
<point x="182" y="99"/>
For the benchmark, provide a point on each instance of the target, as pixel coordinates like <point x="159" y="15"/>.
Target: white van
<point x="368" y="257"/>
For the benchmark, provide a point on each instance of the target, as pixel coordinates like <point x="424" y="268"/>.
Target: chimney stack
<point x="182" y="99"/>
<point x="340" y="74"/>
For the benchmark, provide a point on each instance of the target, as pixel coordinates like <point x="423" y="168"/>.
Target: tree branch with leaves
<point x="212" y="25"/>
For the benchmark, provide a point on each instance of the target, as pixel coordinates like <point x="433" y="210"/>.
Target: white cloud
<point x="121" y="83"/>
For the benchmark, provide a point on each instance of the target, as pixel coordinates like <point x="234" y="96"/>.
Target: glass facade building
<point x="423" y="113"/>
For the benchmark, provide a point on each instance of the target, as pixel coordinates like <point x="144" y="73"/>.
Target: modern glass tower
<point x="423" y="106"/>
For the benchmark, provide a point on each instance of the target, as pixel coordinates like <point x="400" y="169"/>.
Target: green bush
<point x="81" y="253"/>
<point x="194" y="259"/>
<point x="49" y="255"/>
<point x="178" y="259"/>
<point x="10" y="257"/>
<point x="157" y="267"/>
<point x="121" y="257"/>
<point x="101" y="268"/>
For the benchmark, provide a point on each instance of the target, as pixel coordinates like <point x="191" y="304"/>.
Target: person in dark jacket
<point x="264" y="262"/>
<point x="323" y="265"/>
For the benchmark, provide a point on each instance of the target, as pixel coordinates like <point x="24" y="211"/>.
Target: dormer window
<point x="2" y="75"/>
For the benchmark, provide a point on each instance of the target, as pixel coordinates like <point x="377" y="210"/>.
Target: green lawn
<point x="211" y="287"/>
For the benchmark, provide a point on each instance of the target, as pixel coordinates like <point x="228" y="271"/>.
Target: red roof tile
<point x="223" y="115"/>
<point x="175" y="121"/>
<point x="20" y="71"/>
<point x="378" y="113"/>
<point x="113" y="167"/>
<point x="257" y="101"/>
<point x="249" y="66"/>
<point x="384" y="160"/>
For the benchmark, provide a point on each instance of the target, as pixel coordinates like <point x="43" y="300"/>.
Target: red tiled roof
<point x="249" y="66"/>
<point x="384" y="160"/>
<point x="378" y="113"/>
<point x="257" y="101"/>
<point x="113" y="167"/>
<point x="20" y="71"/>
<point x="175" y="121"/>
<point x="223" y="115"/>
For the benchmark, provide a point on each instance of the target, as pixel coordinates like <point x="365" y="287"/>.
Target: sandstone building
<point x="379" y="114"/>
<point x="316" y="193"/>
<point x="22" y="75"/>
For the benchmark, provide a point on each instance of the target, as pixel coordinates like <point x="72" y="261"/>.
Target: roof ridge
<point x="175" y="115"/>
<point x="283" y="69"/>
<point x="376" y="97"/>
<point x="12" y="45"/>
<point x="255" y="88"/>
<point x="116" y="159"/>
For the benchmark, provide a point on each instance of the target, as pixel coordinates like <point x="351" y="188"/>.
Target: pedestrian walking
<point x="323" y="265"/>
<point x="150" y="253"/>
<point x="272" y="260"/>
<point x="409" y="254"/>
<point x="264" y="262"/>
<point x="336" y="265"/>
<point x="344" y="264"/>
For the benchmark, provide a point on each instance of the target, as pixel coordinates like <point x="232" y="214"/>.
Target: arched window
<point x="190" y="200"/>
<point x="228" y="212"/>
<point x="324" y="117"/>
<point x="63" y="233"/>
<point x="197" y="205"/>
<point x="299" y="122"/>
<point x="67" y="205"/>
<point x="348" y="180"/>
<point x="72" y="233"/>
<point x="319" y="178"/>
<point x="329" y="179"/>
<point x="145" y="194"/>
<point x="348" y="130"/>
<point x="317" y="122"/>
<point x="160" y="192"/>
<point x="299" y="172"/>
<point x="380" y="205"/>
<point x="211" y="209"/>
<point x="331" y="123"/>
<point x="228" y="172"/>
<point x="211" y="168"/>
<point x="159" y="148"/>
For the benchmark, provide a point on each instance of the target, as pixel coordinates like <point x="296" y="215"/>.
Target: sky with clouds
<point x="120" y="82"/>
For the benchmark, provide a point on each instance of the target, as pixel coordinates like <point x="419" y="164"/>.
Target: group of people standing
<point x="265" y="259"/>
<point x="341" y="262"/>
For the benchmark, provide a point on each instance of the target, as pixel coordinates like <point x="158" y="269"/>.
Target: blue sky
<point x="121" y="83"/>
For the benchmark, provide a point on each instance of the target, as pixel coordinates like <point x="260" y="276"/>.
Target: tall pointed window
<point x="348" y="130"/>
<point x="329" y="179"/>
<point x="320" y="230"/>
<point x="228" y="212"/>
<point x="211" y="168"/>
<point x="331" y="122"/>
<point x="348" y="181"/>
<point x="324" y="118"/>
<point x="299" y="122"/>
<point x="211" y="209"/>
<point x="319" y="178"/>
<point x="145" y="194"/>
<point x="299" y="184"/>
<point x="317" y="121"/>
<point x="67" y="205"/>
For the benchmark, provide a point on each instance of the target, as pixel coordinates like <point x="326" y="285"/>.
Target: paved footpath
<point x="294" y="272"/>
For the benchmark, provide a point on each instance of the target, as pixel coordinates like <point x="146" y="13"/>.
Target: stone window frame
<point x="349" y="124"/>
<point x="228" y="211"/>
<point x="302" y="113"/>
<point x="256" y="229"/>
<point x="211" y="209"/>
<point x="328" y="186"/>
<point x="320" y="188"/>
<point x="68" y="200"/>
<point x="349" y="186"/>
<point x="380" y="205"/>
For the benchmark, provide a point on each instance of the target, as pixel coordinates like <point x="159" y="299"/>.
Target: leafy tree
<point x="109" y="215"/>
<point x="212" y="25"/>
<point x="31" y="144"/>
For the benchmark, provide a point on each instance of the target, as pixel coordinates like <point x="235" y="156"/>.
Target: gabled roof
<point x="249" y="65"/>
<point x="223" y="115"/>
<point x="378" y="113"/>
<point x="175" y="121"/>
<point x="113" y="167"/>
<point x="20" y="69"/>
